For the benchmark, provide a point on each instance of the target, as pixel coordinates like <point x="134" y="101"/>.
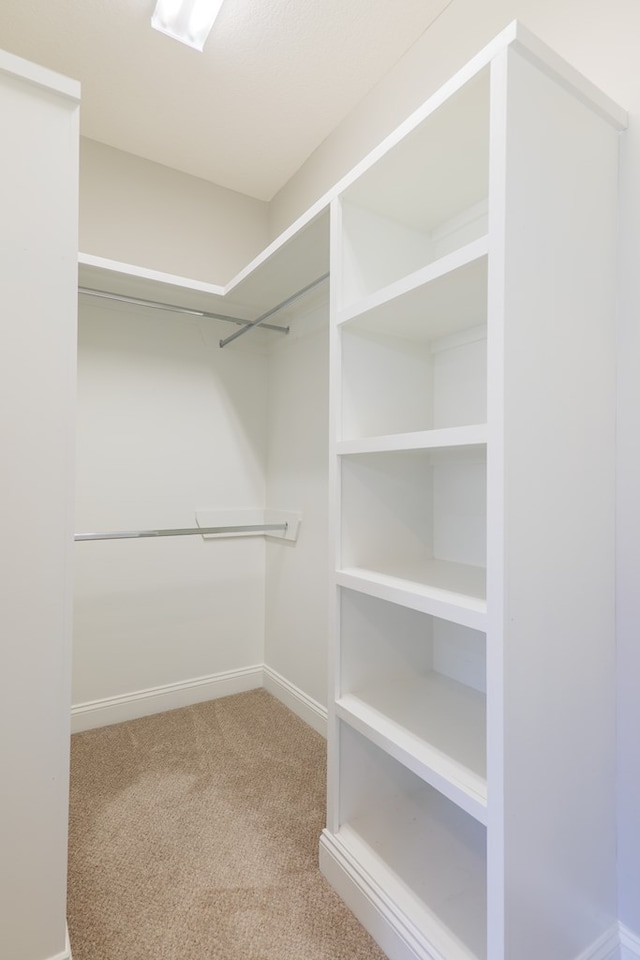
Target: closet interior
<point x="179" y="429"/>
<point x="458" y="475"/>
<point x="432" y="452"/>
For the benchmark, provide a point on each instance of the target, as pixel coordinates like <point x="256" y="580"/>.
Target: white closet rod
<point x="274" y="310"/>
<point x="172" y="308"/>
<point x="184" y="531"/>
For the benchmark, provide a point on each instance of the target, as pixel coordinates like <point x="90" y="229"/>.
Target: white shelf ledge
<point x="297" y="258"/>
<point x="432" y="725"/>
<point x="474" y="435"/>
<point x="442" y="298"/>
<point x="452" y="591"/>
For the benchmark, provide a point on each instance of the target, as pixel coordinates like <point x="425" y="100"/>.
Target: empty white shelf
<point x="435" y="726"/>
<point x="452" y="591"/>
<point x="474" y="435"/>
<point x="440" y="299"/>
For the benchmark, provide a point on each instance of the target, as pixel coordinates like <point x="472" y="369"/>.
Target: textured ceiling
<point x="275" y="77"/>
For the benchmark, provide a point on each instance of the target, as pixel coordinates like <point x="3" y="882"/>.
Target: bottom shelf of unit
<point x="423" y="853"/>
<point x="441" y="913"/>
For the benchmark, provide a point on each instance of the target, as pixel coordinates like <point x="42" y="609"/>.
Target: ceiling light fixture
<point x="188" y="21"/>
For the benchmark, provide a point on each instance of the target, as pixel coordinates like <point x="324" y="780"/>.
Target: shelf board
<point x="446" y="903"/>
<point x="452" y="591"/>
<point x="434" y="726"/>
<point x="131" y="280"/>
<point x="474" y="435"/>
<point x="444" y="297"/>
<point x="296" y="258"/>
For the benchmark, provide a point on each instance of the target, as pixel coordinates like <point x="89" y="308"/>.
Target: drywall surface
<point x="296" y="627"/>
<point x="168" y="423"/>
<point x="38" y="241"/>
<point x="601" y="41"/>
<point x="140" y="212"/>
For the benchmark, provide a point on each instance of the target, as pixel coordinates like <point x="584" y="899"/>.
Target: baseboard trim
<point x="629" y="943"/>
<point x="296" y="700"/>
<point x="606" y="947"/>
<point x="66" y="953"/>
<point x="142" y="703"/>
<point x="397" y="936"/>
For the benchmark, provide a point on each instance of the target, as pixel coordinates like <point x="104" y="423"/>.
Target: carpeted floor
<point x="194" y="836"/>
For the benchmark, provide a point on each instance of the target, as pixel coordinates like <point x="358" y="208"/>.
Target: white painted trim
<point x="606" y="947"/>
<point x="393" y="930"/>
<point x="142" y="703"/>
<point x="390" y="928"/>
<point x="630" y="943"/>
<point x="131" y="271"/>
<point x="296" y="700"/>
<point x="40" y="76"/>
<point x="66" y="953"/>
<point x="546" y="59"/>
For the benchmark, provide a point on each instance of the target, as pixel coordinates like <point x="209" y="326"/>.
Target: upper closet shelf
<point x="293" y="261"/>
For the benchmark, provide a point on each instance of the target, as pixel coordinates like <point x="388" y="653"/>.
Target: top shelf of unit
<point x="439" y="299"/>
<point x="425" y="198"/>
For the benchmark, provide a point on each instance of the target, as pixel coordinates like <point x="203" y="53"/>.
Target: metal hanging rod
<point x="157" y="305"/>
<point x="274" y="310"/>
<point x="183" y="532"/>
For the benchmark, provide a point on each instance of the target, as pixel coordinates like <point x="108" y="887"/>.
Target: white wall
<point x="296" y="627"/>
<point x="168" y="423"/>
<point x="143" y="213"/>
<point x="38" y="291"/>
<point x="601" y="40"/>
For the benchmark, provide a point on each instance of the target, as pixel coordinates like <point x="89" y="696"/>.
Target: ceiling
<point x="275" y="77"/>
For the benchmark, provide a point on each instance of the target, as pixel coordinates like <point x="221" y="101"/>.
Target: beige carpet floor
<point x="194" y="836"/>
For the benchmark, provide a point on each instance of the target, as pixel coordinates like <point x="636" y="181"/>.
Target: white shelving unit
<point x="473" y="265"/>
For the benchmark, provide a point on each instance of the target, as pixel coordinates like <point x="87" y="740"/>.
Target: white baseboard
<point x="369" y="902"/>
<point x="606" y="947"/>
<point x="296" y="700"/>
<point x="629" y="944"/>
<point x="142" y="703"/>
<point x="395" y="932"/>
<point x="66" y="953"/>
